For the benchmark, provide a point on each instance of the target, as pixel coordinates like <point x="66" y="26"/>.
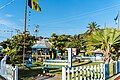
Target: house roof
<point x="42" y="44"/>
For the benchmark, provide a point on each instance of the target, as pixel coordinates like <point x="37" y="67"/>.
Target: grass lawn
<point x="31" y="73"/>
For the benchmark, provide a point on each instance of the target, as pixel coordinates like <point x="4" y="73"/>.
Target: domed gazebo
<point x="41" y="48"/>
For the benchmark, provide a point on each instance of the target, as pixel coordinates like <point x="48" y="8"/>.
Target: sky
<point x="57" y="16"/>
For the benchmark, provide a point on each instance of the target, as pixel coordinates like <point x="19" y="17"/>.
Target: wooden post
<point x="63" y="73"/>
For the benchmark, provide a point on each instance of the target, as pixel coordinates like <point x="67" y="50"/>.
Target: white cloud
<point x="7" y="23"/>
<point x="21" y="20"/>
<point x="8" y="15"/>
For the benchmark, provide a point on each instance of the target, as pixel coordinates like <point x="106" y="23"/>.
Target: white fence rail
<point x="94" y="72"/>
<point x="9" y="72"/>
<point x="91" y="72"/>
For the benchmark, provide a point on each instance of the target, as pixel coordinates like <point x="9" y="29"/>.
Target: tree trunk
<point x="107" y="54"/>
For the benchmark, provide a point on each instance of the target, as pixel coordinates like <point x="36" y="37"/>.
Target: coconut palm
<point x="106" y="39"/>
<point x="92" y="27"/>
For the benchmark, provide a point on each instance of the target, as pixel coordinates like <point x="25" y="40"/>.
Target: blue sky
<point x="57" y="16"/>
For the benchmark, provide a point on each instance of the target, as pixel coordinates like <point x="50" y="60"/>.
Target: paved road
<point x="117" y="77"/>
<point x="56" y="77"/>
<point x="1" y="78"/>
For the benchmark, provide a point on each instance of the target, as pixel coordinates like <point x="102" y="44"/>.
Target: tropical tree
<point x="92" y="27"/>
<point x="14" y="46"/>
<point x="105" y="39"/>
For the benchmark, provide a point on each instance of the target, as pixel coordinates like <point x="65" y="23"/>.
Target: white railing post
<point x="84" y="72"/>
<point x="16" y="73"/>
<point x="98" y="73"/>
<point x="95" y="72"/>
<point x="91" y="71"/>
<point x="119" y="65"/>
<point x="104" y="74"/>
<point x="64" y="73"/>
<point x="77" y="69"/>
<point x="68" y="73"/>
<point x="88" y="72"/>
<point x="80" y="72"/>
<point x="116" y="67"/>
<point x="3" y="66"/>
<point x="73" y="76"/>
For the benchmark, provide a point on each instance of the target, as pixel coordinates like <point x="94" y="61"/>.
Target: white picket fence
<point x="8" y="71"/>
<point x="93" y="72"/>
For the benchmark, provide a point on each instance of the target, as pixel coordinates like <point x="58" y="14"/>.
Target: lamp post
<point x="36" y="30"/>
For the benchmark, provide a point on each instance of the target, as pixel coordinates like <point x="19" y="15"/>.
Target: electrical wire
<point x="6" y="4"/>
<point x="67" y="19"/>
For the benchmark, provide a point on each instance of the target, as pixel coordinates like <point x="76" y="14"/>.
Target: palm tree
<point x="92" y="27"/>
<point x="106" y="39"/>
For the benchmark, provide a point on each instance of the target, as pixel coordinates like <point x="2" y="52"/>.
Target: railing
<point x="8" y="71"/>
<point x="55" y="62"/>
<point x="98" y="71"/>
<point x="93" y="58"/>
<point x="93" y="72"/>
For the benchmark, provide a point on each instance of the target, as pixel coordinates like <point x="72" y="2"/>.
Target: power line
<point x="66" y="19"/>
<point x="6" y="4"/>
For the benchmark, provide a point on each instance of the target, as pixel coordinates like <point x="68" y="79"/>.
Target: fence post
<point x="102" y="70"/>
<point x="68" y="73"/>
<point x="64" y="73"/>
<point x="98" y="73"/>
<point x="16" y="73"/>
<point x="115" y="67"/>
<point x="73" y="76"/>
<point x="84" y="72"/>
<point x="95" y="72"/>
<point x="91" y="72"/>
<point x="3" y="65"/>
<point x="119" y="65"/>
<point x="106" y="70"/>
<point x="88" y="72"/>
<point x="77" y="69"/>
<point x="81" y="72"/>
